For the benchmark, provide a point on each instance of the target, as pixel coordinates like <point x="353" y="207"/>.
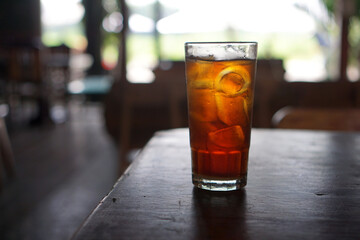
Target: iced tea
<point x="220" y="99"/>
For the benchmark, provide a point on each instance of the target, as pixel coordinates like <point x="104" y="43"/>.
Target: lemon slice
<point x="233" y="81"/>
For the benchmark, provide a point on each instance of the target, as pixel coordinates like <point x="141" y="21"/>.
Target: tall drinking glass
<point x="220" y="88"/>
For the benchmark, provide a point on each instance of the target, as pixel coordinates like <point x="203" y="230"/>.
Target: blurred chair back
<point x="134" y="109"/>
<point x="23" y="78"/>
<point x="269" y="75"/>
<point x="24" y="64"/>
<point x="333" y="119"/>
<point x="35" y="74"/>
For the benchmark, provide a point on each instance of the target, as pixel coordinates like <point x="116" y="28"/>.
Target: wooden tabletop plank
<point x="301" y="184"/>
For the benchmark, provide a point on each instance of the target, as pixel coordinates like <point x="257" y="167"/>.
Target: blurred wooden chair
<point x="333" y="119"/>
<point x="167" y="92"/>
<point x="173" y="78"/>
<point x="269" y="75"/>
<point x="25" y="81"/>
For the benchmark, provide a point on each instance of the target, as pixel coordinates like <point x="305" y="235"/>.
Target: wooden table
<point x="301" y="185"/>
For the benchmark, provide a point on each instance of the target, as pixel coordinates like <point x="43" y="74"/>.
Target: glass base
<point x="219" y="184"/>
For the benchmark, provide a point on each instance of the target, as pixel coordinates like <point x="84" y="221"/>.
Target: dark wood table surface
<point x="301" y="185"/>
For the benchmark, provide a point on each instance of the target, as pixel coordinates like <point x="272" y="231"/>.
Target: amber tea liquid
<point x="220" y="99"/>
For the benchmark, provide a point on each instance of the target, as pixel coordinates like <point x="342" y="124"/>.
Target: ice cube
<point x="202" y="84"/>
<point x="227" y="137"/>
<point x="232" y="110"/>
<point x="202" y="105"/>
<point x="199" y="74"/>
<point x="199" y="133"/>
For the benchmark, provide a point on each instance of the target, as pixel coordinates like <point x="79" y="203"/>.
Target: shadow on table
<point x="220" y="215"/>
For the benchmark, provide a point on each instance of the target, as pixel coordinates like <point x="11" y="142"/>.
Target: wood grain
<point x="301" y="184"/>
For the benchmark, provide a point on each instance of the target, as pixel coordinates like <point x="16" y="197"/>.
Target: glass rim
<point x="221" y="50"/>
<point x="223" y="43"/>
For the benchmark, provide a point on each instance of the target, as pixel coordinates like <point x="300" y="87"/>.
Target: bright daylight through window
<point x="307" y="41"/>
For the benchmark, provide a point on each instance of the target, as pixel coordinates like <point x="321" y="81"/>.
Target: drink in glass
<point x="220" y="87"/>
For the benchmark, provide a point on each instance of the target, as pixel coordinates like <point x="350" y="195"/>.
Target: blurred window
<point x="303" y="33"/>
<point x="61" y="23"/>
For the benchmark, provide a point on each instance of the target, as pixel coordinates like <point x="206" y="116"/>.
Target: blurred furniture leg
<point x="125" y="134"/>
<point x="57" y="78"/>
<point x="6" y="154"/>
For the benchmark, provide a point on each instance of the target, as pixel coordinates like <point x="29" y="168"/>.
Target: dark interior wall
<point x="20" y="22"/>
<point x="20" y="25"/>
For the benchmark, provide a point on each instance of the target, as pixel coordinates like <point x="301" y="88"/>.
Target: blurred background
<point x="85" y="83"/>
